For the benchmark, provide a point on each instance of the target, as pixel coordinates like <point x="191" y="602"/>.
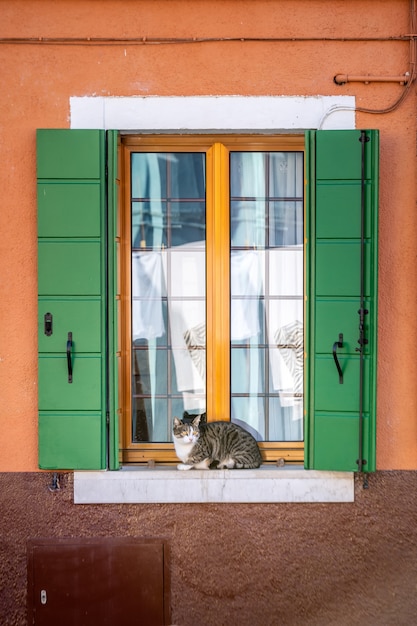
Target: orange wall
<point x="38" y="79"/>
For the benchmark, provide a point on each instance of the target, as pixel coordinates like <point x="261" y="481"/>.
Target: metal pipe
<point x="123" y="41"/>
<point x="341" y="79"/>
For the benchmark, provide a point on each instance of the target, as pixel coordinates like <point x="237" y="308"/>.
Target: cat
<point x="221" y="445"/>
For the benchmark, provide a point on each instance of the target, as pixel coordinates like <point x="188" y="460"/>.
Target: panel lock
<point x="43" y="596"/>
<point x="47" y="320"/>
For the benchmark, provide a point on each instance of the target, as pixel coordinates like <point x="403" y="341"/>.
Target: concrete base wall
<point x="249" y="564"/>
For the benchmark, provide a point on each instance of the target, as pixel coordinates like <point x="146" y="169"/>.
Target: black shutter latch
<point x="47" y="320"/>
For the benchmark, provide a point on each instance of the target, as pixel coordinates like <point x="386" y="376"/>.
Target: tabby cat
<point x="221" y="445"/>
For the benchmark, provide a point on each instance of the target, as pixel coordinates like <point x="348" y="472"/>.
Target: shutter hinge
<point x="362" y="341"/>
<point x="364" y="138"/>
<point x="107" y="417"/>
<point x="365" y="476"/>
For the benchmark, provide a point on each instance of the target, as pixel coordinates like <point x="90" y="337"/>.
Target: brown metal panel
<point x="85" y="582"/>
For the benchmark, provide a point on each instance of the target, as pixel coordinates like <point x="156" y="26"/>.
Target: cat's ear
<point x="196" y="421"/>
<point x="177" y="421"/>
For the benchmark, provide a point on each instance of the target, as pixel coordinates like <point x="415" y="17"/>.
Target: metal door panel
<point x="81" y="582"/>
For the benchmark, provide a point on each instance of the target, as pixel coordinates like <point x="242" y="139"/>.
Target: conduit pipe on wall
<point x="341" y="79"/>
<point x="407" y="79"/>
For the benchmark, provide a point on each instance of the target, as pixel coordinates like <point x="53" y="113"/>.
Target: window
<point x="208" y="210"/>
<point x="213" y="273"/>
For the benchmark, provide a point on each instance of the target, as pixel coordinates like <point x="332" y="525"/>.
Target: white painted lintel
<point x="212" y="113"/>
<point x="169" y="485"/>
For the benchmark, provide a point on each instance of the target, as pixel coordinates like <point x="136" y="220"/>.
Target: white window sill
<point x="167" y="485"/>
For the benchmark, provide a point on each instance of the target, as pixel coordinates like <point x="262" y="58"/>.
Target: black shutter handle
<point x="336" y="345"/>
<point x="69" y="357"/>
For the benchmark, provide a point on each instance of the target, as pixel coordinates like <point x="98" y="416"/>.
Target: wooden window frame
<point x="217" y="148"/>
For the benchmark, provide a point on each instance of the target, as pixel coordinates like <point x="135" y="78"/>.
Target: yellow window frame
<point x="217" y="148"/>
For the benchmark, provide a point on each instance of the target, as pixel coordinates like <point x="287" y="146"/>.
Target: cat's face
<point x="188" y="433"/>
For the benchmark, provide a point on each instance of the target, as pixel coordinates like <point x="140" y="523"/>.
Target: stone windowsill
<point x="166" y="485"/>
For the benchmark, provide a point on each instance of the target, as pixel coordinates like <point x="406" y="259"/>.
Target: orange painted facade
<point x="52" y="51"/>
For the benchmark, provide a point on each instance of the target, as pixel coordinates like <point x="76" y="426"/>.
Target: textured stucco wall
<point x="260" y="565"/>
<point x="252" y="565"/>
<point x="38" y="80"/>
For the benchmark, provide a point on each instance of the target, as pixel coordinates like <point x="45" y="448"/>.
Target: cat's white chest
<point x="183" y="448"/>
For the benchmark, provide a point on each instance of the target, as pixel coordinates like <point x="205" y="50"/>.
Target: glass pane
<point x="168" y="291"/>
<point x="247" y="370"/>
<point x="249" y="412"/>
<point x="248" y="202"/>
<point x="286" y="224"/>
<point x="168" y="199"/>
<point x="247" y="276"/>
<point x="266" y="278"/>
<point x="285" y="272"/>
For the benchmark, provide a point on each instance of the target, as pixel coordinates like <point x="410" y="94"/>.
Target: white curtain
<point x="184" y="272"/>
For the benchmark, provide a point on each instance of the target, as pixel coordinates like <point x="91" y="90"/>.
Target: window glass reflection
<point x="266" y="277"/>
<point x="168" y="212"/>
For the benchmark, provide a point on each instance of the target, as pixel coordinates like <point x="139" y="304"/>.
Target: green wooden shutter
<point x="73" y="281"/>
<point x="342" y="192"/>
